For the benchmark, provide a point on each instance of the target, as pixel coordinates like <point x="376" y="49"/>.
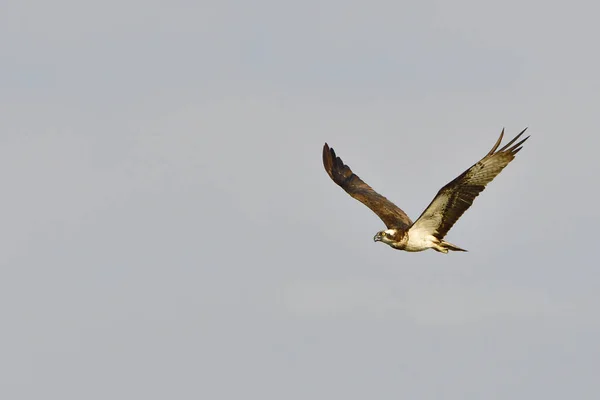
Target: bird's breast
<point x="416" y="241"/>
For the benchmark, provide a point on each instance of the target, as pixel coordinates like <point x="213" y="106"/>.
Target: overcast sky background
<point x="168" y="229"/>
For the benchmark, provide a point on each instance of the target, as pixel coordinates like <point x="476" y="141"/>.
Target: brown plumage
<point x="446" y="208"/>
<point x="390" y="214"/>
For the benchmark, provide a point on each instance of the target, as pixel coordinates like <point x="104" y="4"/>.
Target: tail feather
<point x="450" y="246"/>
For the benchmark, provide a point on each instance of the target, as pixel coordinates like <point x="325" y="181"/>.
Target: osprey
<point x="428" y="231"/>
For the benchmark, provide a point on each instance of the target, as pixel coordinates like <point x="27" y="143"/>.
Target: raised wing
<point x="457" y="196"/>
<point x="390" y="214"/>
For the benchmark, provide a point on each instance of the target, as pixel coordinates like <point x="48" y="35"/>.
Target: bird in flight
<point x="429" y="230"/>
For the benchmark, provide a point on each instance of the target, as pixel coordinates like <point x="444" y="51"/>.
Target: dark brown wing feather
<point x="390" y="214"/>
<point x="457" y="196"/>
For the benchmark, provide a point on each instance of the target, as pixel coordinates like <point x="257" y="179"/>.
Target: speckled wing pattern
<point x="390" y="214"/>
<point x="457" y="196"/>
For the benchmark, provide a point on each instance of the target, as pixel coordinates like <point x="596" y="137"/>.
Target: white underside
<point x="420" y="238"/>
<point x="421" y="242"/>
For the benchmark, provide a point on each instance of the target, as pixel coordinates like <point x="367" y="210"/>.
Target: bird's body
<point x="414" y="241"/>
<point x="428" y="231"/>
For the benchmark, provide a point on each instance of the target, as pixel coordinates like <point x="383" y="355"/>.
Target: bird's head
<point x="388" y="236"/>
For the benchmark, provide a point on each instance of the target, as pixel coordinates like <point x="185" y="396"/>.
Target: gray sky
<point x="169" y="232"/>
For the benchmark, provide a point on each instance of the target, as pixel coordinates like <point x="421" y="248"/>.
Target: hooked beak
<point x="377" y="238"/>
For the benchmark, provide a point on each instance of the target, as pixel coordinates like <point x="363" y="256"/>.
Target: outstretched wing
<point x="390" y="214"/>
<point x="457" y="196"/>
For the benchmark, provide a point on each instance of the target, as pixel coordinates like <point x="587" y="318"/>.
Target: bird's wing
<point x="457" y="196"/>
<point x="390" y="214"/>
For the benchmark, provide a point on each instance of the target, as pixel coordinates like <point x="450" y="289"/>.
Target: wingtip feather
<point x="328" y="159"/>
<point x="515" y="148"/>
<point x="497" y="143"/>
<point x="507" y="145"/>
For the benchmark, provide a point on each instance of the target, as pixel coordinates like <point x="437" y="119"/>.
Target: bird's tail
<point x="450" y="246"/>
